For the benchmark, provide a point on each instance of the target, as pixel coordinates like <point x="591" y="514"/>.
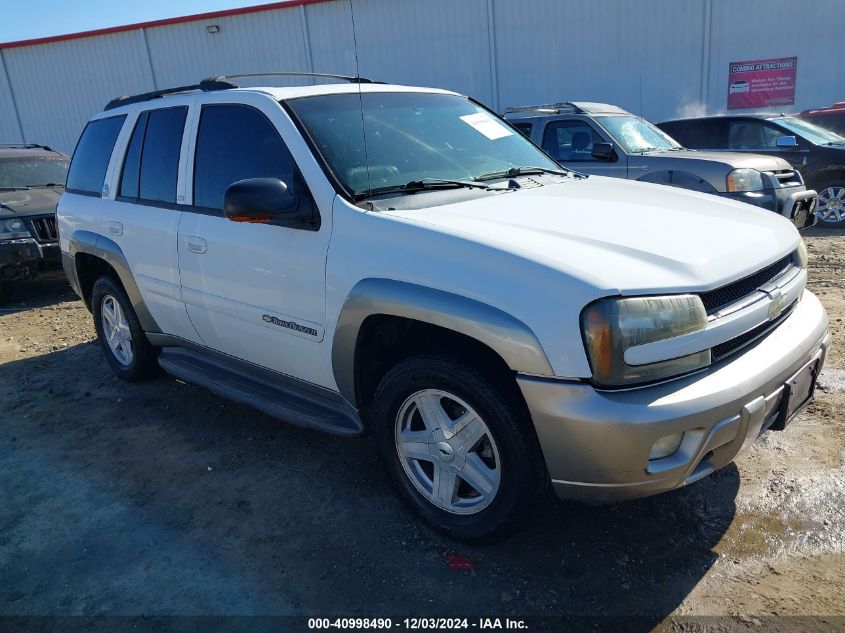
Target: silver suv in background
<point x="605" y="140"/>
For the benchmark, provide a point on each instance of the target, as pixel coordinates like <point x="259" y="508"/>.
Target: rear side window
<point x="91" y="158"/>
<point x="150" y="170"/>
<point x="703" y="134"/>
<point x="235" y="142"/>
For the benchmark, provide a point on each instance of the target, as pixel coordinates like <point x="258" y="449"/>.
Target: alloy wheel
<point x="447" y="451"/>
<point x="831" y="207"/>
<point x="116" y="330"/>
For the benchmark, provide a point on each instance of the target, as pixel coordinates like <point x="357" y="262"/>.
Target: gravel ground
<point x="163" y="499"/>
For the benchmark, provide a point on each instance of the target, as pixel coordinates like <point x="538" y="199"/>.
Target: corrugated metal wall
<point x="663" y="58"/>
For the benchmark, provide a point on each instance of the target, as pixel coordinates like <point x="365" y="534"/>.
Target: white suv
<point x="375" y="258"/>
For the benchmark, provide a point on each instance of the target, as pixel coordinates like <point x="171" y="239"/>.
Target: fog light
<point x="665" y="446"/>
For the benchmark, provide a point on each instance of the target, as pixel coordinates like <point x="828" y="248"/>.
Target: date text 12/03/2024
<point x="413" y="624"/>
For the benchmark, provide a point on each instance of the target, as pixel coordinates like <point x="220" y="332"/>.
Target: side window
<point x="702" y="134"/>
<point x="749" y="134"/>
<point x="235" y="142"/>
<point x="150" y="170"/>
<point x="93" y="152"/>
<point x="570" y="140"/>
<point x="525" y="128"/>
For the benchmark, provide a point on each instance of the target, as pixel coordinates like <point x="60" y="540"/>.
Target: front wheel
<point x="831" y="209"/>
<point x="460" y="448"/>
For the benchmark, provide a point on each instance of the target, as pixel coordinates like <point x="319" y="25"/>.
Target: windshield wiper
<point x="427" y="184"/>
<point x="13" y="188"/>
<point x="46" y="184"/>
<point x="522" y="171"/>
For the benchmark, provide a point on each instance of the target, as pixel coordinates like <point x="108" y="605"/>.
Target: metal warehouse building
<point x="660" y="58"/>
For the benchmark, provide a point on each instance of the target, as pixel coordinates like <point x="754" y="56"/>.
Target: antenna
<point x="360" y="100"/>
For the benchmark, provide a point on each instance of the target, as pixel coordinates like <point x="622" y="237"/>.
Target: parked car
<point x="832" y="118"/>
<point x="602" y="139"/>
<point x="32" y="177"/>
<point x="817" y="153"/>
<point x="500" y="324"/>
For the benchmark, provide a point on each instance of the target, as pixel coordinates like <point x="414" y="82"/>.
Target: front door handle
<point x="196" y="244"/>
<point x="115" y="228"/>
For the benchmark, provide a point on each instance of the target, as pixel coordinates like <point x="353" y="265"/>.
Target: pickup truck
<point x="605" y="140"/>
<point x="365" y="258"/>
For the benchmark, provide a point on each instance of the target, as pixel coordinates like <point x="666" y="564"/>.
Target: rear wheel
<point x="831" y="209"/>
<point x="124" y="344"/>
<point x="459" y="448"/>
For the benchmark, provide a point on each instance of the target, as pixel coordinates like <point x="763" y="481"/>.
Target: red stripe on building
<point x="153" y="23"/>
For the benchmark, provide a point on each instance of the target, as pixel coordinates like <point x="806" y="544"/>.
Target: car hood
<point x="27" y="202"/>
<point x="619" y="236"/>
<point x="733" y="160"/>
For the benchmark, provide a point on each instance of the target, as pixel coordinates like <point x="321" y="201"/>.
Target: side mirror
<point x="787" y="142"/>
<point x="602" y="151"/>
<point x="260" y="201"/>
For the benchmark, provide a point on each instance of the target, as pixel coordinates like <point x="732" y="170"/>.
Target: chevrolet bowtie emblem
<point x="778" y="303"/>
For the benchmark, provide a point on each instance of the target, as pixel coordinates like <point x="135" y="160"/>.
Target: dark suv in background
<point x="818" y="153"/>
<point x="32" y="178"/>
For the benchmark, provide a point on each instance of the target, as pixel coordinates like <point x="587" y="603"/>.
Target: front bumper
<point x="796" y="204"/>
<point x="21" y="260"/>
<point x="596" y="443"/>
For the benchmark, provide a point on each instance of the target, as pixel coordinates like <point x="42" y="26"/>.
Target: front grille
<point x="719" y="298"/>
<point x="787" y="177"/>
<point x="44" y="228"/>
<point x="737" y="343"/>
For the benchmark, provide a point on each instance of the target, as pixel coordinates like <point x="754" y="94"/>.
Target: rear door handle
<point x="196" y="244"/>
<point x="115" y="228"/>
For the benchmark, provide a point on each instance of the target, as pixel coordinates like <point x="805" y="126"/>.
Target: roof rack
<point x="25" y="146"/>
<point x="571" y="107"/>
<point x="549" y="108"/>
<point x="349" y="78"/>
<point x="221" y="83"/>
<point x="206" y="85"/>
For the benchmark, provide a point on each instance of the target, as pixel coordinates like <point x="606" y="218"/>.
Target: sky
<point x="28" y="19"/>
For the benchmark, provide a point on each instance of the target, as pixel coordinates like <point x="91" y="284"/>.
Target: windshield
<point x="32" y="172"/>
<point x="637" y="135"/>
<point x="411" y="136"/>
<point x="810" y="131"/>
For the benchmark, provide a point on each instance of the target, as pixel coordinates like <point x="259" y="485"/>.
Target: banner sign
<point x="762" y="83"/>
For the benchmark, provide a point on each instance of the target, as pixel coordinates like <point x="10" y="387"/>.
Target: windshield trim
<point x="339" y="186"/>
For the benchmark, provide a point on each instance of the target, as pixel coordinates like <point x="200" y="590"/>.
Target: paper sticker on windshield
<point x="487" y="125"/>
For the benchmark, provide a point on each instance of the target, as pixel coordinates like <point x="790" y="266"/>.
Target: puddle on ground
<point x="758" y="535"/>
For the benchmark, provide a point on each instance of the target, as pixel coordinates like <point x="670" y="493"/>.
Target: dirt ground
<point x="163" y="499"/>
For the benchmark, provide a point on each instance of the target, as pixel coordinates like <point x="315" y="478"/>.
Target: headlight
<point x="745" y="180"/>
<point x="800" y="257"/>
<point x="13" y="229"/>
<point x="610" y="326"/>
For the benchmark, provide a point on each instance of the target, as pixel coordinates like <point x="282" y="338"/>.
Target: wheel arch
<point x="90" y="256"/>
<point x="428" y="314"/>
<point x="825" y="176"/>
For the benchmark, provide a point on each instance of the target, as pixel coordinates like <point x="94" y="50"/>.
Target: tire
<point x="831" y="208"/>
<point x="130" y="355"/>
<point x="498" y="478"/>
<point x="7" y="291"/>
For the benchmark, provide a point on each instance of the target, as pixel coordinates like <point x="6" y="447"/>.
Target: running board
<point x="277" y="395"/>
